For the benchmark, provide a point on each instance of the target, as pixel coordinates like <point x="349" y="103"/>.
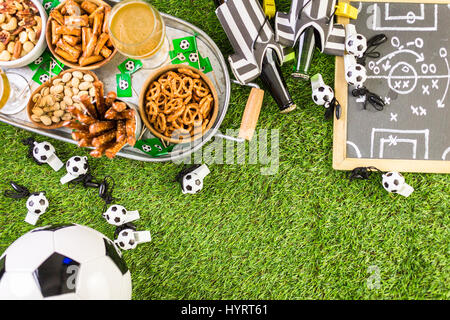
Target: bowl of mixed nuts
<point x="48" y="105"/>
<point x="22" y="36"/>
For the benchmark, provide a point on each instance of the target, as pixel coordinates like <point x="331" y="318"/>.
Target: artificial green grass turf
<point x="304" y="233"/>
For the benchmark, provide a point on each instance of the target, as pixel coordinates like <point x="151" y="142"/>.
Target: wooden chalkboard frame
<point x="340" y="159"/>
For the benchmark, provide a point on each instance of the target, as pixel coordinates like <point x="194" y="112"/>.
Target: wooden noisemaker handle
<point x="251" y="114"/>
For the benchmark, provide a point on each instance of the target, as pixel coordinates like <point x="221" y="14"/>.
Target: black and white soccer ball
<point x="393" y="182"/>
<point x="48" y="5"/>
<point x="52" y="64"/>
<point x="193" y="57"/>
<point x="185" y="45"/>
<point x="40" y="59"/>
<point x="116" y="215"/>
<point x="356" y="75"/>
<point x="323" y="95"/>
<point x="43" y="151"/>
<point x="356" y="45"/>
<point x="123" y="84"/>
<point x="77" y="166"/>
<point x="125" y="240"/>
<point x="146" y="148"/>
<point x="192" y="183"/>
<point x="129" y="65"/>
<point x="37" y="203"/>
<point x="181" y="57"/>
<point x="71" y="262"/>
<point x="44" y="78"/>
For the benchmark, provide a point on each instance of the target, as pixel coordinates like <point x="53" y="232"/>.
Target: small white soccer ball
<point x="43" y="151"/>
<point x="64" y="262"/>
<point x="77" y="166"/>
<point x="356" y="45"/>
<point x="192" y="183"/>
<point x="323" y="95"/>
<point x="393" y="181"/>
<point x="184" y="44"/>
<point x="129" y="65"/>
<point x="126" y="240"/>
<point x="123" y="85"/>
<point x="115" y="215"/>
<point x="48" y="5"/>
<point x="356" y="75"/>
<point x="181" y="57"/>
<point x="44" y="78"/>
<point x="193" y="57"/>
<point x="37" y="203"/>
<point x="38" y="60"/>
<point x="146" y="148"/>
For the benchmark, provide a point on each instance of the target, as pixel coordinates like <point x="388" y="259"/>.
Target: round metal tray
<point x="176" y="28"/>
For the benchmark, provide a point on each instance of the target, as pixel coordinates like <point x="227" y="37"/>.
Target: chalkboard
<point x="412" y="76"/>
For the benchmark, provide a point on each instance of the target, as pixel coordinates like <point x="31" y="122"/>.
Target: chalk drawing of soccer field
<point x="412" y="75"/>
<point x="414" y="17"/>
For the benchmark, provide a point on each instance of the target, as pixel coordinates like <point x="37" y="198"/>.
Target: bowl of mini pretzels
<point x="178" y="104"/>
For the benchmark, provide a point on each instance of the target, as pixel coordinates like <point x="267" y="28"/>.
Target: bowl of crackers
<point x="107" y="124"/>
<point x="22" y="39"/>
<point x="178" y="104"/>
<point x="77" y="34"/>
<point x="48" y="105"/>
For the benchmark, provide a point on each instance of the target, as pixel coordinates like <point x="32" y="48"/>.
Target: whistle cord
<point x="375" y="100"/>
<point x="372" y="44"/>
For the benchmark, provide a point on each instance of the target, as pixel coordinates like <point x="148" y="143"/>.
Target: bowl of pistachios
<point x="48" y="104"/>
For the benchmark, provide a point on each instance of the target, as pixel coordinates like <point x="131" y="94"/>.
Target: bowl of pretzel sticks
<point x="178" y="104"/>
<point x="77" y="34"/>
<point x="105" y="124"/>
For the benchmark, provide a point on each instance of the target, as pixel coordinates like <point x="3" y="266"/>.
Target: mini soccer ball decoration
<point x="323" y="95"/>
<point x="394" y="182"/>
<point x="76" y="167"/>
<point x="191" y="179"/>
<point x="43" y="153"/>
<point x="37" y="203"/>
<point x="355" y="74"/>
<point x="64" y="262"/>
<point x="355" y="43"/>
<point x="127" y="238"/>
<point x="117" y="215"/>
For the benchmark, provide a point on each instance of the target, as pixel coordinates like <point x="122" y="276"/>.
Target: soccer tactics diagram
<point x="412" y="75"/>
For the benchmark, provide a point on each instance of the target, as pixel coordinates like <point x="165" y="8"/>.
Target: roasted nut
<point x="31" y="35"/>
<point x="10" y="47"/>
<point x="37" y="111"/>
<point x="85" y="86"/>
<point x="35" y="118"/>
<point x="58" y="113"/>
<point x="88" y="77"/>
<point x="46" y="120"/>
<point x="78" y="74"/>
<point x="11" y="25"/>
<point x="5" y="56"/>
<point x="66" y="77"/>
<point x="28" y="46"/>
<point x="75" y="81"/>
<point x="23" y="37"/>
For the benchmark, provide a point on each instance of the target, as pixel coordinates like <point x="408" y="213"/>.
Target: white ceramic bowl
<point x="37" y="50"/>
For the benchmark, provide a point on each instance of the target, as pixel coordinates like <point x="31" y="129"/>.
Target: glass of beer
<point x="14" y="92"/>
<point x="138" y="31"/>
